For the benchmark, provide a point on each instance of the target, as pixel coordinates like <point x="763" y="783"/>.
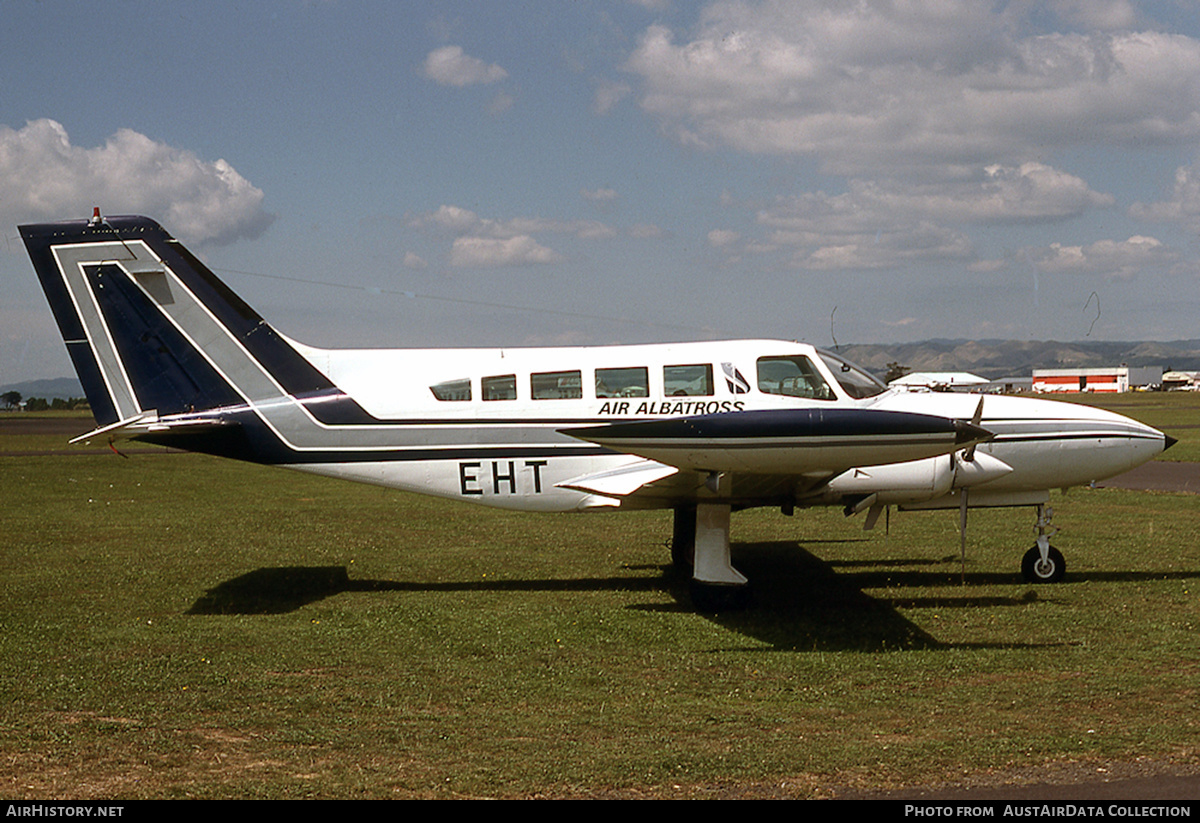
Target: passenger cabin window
<point x="688" y="381"/>
<point x="556" y="385"/>
<point x="632" y="382"/>
<point x="500" y="387"/>
<point x="452" y="390"/>
<point x="793" y="376"/>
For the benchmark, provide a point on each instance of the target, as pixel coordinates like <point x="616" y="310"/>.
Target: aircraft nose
<point x="1168" y="441"/>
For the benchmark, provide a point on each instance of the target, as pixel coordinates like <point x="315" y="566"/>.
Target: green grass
<point x="178" y="626"/>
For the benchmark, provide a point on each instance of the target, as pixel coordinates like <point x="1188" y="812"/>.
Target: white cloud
<point x="480" y="241"/>
<point x="861" y="228"/>
<point x="722" y="237"/>
<point x="921" y="243"/>
<point x="489" y="251"/>
<point x="1025" y="193"/>
<point x="1110" y="258"/>
<point x="1182" y="207"/>
<point x="449" y="66"/>
<point x="921" y="89"/>
<point x="449" y="218"/>
<point x="878" y="223"/>
<point x="462" y="222"/>
<point x="43" y="176"/>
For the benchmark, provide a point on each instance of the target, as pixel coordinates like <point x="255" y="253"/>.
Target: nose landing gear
<point x="1043" y="563"/>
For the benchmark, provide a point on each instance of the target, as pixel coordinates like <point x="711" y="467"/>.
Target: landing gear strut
<point x="1043" y="563"/>
<point x="700" y="540"/>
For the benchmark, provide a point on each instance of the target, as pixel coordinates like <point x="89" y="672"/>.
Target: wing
<point x="763" y="455"/>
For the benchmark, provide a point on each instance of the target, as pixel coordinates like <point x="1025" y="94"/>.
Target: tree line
<point x="12" y="400"/>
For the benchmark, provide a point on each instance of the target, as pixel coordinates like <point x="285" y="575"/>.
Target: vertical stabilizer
<point x="151" y="330"/>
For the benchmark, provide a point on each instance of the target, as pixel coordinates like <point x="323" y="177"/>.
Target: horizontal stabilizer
<point x="620" y="482"/>
<point x="128" y="427"/>
<point x="161" y="429"/>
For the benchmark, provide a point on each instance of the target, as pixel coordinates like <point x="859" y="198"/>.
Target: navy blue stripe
<point x="70" y="326"/>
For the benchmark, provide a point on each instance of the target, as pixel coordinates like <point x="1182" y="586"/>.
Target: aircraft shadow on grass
<point x="285" y="589"/>
<point x="799" y="601"/>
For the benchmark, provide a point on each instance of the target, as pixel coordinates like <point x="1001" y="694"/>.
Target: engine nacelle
<point x="896" y="482"/>
<point x="917" y="480"/>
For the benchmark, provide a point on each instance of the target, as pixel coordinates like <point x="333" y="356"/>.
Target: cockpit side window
<point x="455" y="390"/>
<point x="854" y="380"/>
<point x="792" y="376"/>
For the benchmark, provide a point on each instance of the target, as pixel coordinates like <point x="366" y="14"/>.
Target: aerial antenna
<point x="831" y="334"/>
<point x="1097" y="317"/>
<point x="98" y="220"/>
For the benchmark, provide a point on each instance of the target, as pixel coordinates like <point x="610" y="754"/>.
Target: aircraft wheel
<point x="683" y="538"/>
<point x="1035" y="571"/>
<point x="681" y="556"/>
<point x="710" y="598"/>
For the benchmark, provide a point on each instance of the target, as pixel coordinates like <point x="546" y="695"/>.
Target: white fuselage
<point x="513" y="403"/>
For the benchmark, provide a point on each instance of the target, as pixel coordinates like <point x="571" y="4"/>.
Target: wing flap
<point x="621" y="482"/>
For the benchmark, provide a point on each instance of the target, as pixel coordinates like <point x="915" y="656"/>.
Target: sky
<point x="403" y="174"/>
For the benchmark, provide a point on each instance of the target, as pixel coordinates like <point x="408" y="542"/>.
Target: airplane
<point x="168" y="354"/>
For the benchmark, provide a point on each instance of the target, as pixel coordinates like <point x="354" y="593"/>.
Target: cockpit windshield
<point x="854" y="380"/>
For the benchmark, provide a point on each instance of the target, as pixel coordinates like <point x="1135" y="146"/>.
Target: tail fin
<point x="151" y="331"/>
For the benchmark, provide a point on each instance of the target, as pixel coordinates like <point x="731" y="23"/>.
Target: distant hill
<point x="995" y="359"/>
<point x="61" y="387"/>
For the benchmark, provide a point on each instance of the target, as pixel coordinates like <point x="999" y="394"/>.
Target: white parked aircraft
<point x="167" y="353"/>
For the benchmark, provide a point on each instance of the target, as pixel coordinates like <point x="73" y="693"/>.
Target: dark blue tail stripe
<point x="71" y="328"/>
<point x="168" y="374"/>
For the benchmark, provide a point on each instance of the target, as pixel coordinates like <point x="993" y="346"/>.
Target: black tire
<point x="1035" y="571"/>
<point x="683" y="538"/>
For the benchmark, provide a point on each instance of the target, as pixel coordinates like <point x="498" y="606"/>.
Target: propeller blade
<point x="976" y="419"/>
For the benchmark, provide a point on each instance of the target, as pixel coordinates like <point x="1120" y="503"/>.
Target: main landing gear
<point x="1043" y="563"/>
<point x="700" y="542"/>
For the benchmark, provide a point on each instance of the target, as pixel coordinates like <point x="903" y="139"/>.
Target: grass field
<point x="175" y="626"/>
